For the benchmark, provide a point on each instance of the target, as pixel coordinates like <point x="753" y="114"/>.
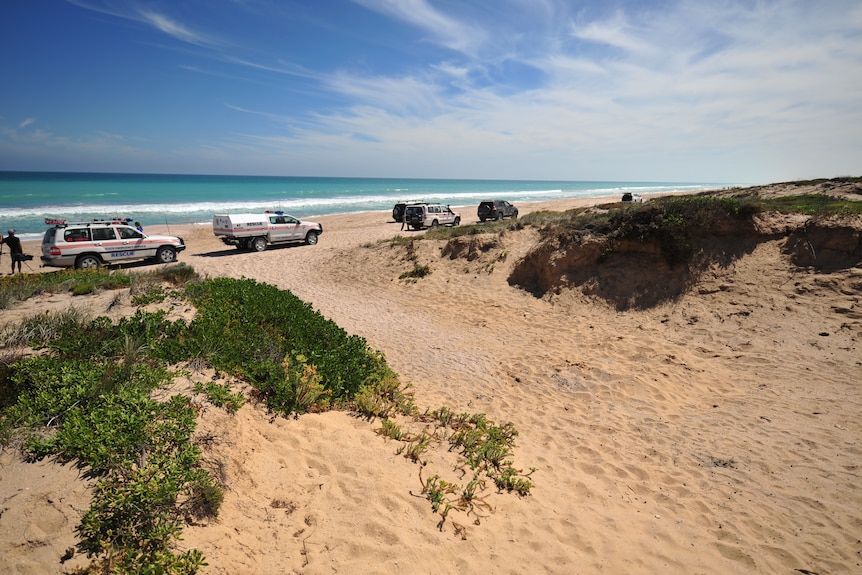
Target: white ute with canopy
<point x="257" y="231"/>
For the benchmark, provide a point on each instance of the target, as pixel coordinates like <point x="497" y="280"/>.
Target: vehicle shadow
<point x="221" y="253"/>
<point x="135" y="264"/>
<point x="233" y="251"/>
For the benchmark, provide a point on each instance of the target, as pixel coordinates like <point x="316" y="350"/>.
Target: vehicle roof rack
<point x="95" y="221"/>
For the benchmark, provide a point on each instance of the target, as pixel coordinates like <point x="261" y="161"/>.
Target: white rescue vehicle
<point x="94" y="243"/>
<point x="256" y="231"/>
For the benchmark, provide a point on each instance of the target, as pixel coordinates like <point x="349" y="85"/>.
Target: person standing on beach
<point x="15" y="250"/>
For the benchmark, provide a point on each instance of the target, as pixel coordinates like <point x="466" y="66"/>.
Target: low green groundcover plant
<point x="88" y="396"/>
<point x="249" y="328"/>
<point x="100" y="412"/>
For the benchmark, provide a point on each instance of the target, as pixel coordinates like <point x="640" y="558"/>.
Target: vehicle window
<point x="290" y="220"/>
<point x="49" y="235"/>
<point x="101" y="234"/>
<point x="129" y="233"/>
<point x="77" y="235"/>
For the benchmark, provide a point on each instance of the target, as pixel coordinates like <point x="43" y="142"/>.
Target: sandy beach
<point x="714" y="433"/>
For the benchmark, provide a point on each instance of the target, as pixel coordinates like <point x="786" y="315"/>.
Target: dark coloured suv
<point x="496" y="210"/>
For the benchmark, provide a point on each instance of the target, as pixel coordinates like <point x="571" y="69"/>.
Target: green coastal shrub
<point x="19" y="287"/>
<point x="101" y="337"/>
<point x="813" y="204"/>
<point x="101" y="413"/>
<point x="220" y="395"/>
<point x="88" y="397"/>
<point x="418" y="271"/>
<point x="249" y="328"/>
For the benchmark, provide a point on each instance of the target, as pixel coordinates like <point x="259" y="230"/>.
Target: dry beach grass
<point x="714" y="431"/>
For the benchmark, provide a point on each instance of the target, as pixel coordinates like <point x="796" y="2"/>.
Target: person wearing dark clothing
<point x="15" y="250"/>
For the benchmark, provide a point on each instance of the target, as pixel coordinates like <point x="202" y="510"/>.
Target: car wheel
<point x="87" y="261"/>
<point x="499" y="216"/>
<point x="457" y="221"/>
<point x="311" y="238"/>
<point x="166" y="255"/>
<point x="515" y="215"/>
<point x="482" y="220"/>
<point x="435" y="223"/>
<point x="258" y="244"/>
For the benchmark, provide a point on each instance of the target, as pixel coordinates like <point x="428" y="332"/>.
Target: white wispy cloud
<point x="397" y="95"/>
<point x="446" y="30"/>
<point x="754" y="84"/>
<point x="171" y="27"/>
<point x="616" y="32"/>
<point x="70" y="151"/>
<point x="685" y="87"/>
<point x="146" y="14"/>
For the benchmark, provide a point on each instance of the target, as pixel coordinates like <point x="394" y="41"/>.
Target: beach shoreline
<point x="199" y="231"/>
<point x="167" y="200"/>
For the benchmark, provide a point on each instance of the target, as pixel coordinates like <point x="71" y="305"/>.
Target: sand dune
<point x="716" y="432"/>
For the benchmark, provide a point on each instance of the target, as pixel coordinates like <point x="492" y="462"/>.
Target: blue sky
<point x="749" y="91"/>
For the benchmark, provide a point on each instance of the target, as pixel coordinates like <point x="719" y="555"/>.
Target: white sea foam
<point x="327" y="205"/>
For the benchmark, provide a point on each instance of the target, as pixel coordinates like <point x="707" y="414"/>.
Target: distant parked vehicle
<point x="430" y="216"/>
<point x="630" y="197"/>
<point x="496" y="210"/>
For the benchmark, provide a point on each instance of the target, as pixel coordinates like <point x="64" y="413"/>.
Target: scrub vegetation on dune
<point x="637" y="256"/>
<point x="90" y="390"/>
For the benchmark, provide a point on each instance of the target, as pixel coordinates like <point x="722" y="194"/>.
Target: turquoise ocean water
<point x="27" y="198"/>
